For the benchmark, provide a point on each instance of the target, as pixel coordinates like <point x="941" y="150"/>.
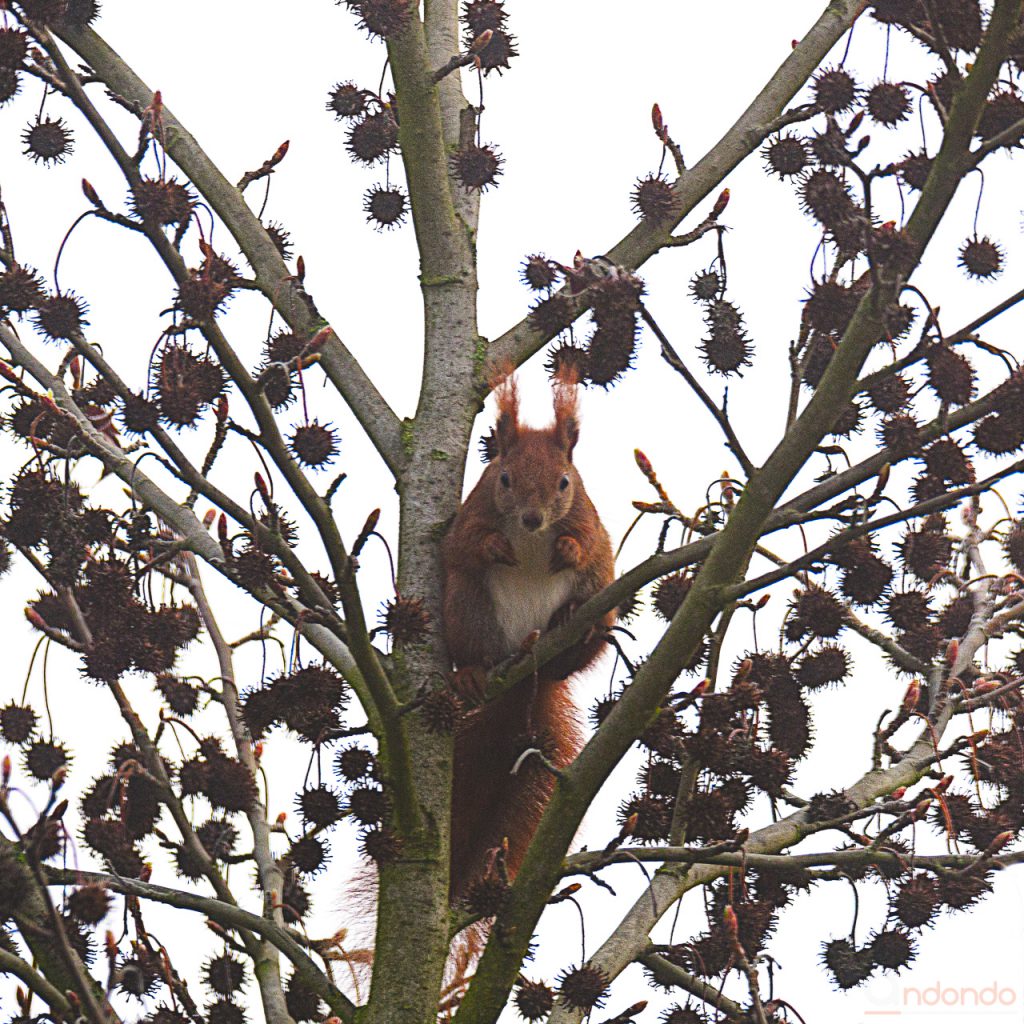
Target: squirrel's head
<point x="534" y="478"/>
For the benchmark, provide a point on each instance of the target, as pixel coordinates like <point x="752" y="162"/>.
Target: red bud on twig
<point x="720" y="204"/>
<point x="92" y="195"/>
<point x="279" y="154"/>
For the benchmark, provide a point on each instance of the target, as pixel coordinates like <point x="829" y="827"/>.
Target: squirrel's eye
<point x="505" y="481"/>
<point x="563" y="483"/>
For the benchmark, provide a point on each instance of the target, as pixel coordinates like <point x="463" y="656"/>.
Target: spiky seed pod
<point x="826" y="667"/>
<point x="372" y="137"/>
<point x="981" y="258"/>
<point x="44" y="757"/>
<point x="184" y="384"/>
<point x="481" y="15"/>
<point x="48" y="141"/>
<point x="487" y="896"/>
<point x="834" y="90"/>
<point x="254" y="569"/>
<point x="583" y="988"/>
<point x="681" y="1015"/>
<point x="60" y="317"/>
<point x="551" y="315"/>
<point x="20" y="289"/>
<point x="381" y="844"/>
<point x="923" y="643"/>
<point x="230" y="785"/>
<point x="477" y="168"/>
<point x="564" y="358"/>
<point x="888" y="103"/>
<point x="946" y="460"/>
<point x="534" y="1000"/>
<point x="160" y="202"/>
<point x="909" y="609"/>
<point x="218" y="838"/>
<point x="914" y="169"/>
<point x="49" y="12"/>
<point x="900" y="433"/>
<point x="13" y="47"/>
<point x="660" y="778"/>
<point x="347" y="100"/>
<point x="916" y="901"/>
<point x="849" y="421"/>
<point x="383" y="18"/>
<point x="829" y="147"/>
<point x="892" y="949"/>
<point x="769" y="770"/>
<point x="864" y="584"/>
<point x="538" y="272"/>
<point x="308" y="854"/>
<point x="314" y="444"/>
<point x="709" y="818"/>
<point x="786" y="156"/>
<point x="653" y="817"/>
<point x="1013" y="546"/>
<point x="826" y="197"/>
<point x="497" y="52"/>
<point x="181" y="698"/>
<point x="224" y="1011"/>
<point x="284" y="346"/>
<point x="927" y="550"/>
<point x="80" y="13"/>
<point x="281" y="239"/>
<point x="897" y="319"/>
<point x="893" y="252"/>
<point x="355" y="763"/>
<point x="829" y="806"/>
<point x="848" y="966"/>
<point x="610" y="352"/>
<point x="891" y="394"/>
<point x="441" y="711"/>
<point x="961" y="891"/>
<point x="955" y="618"/>
<point x="1003" y="110"/>
<point x="301" y="1001"/>
<point x="139" y="415"/>
<point x="653" y="199"/>
<point x="1000" y="434"/>
<point x="319" y="805"/>
<point x="368" y="804"/>
<point x="89" y="904"/>
<point x="17" y="723"/>
<point x="727" y="348"/>
<point x="789" y="725"/>
<point x="385" y="207"/>
<point x="164" y="1014"/>
<point x="830" y="306"/>
<point x="706" y="285"/>
<point x="203" y="294"/>
<point x="818" y="612"/>
<point x="224" y="974"/>
<point x="405" y="619"/>
<point x="670" y="593"/>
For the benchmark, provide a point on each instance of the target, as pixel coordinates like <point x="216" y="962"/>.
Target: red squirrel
<point x="524" y="551"/>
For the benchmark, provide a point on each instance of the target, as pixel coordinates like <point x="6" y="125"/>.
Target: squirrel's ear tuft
<point x="507" y="394"/>
<point x="567" y="424"/>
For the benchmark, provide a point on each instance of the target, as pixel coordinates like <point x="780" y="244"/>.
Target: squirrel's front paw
<point x="567" y="553"/>
<point x="498" y="549"/>
<point x="468" y="683"/>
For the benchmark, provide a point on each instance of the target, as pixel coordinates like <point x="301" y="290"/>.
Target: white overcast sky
<point x="572" y="120"/>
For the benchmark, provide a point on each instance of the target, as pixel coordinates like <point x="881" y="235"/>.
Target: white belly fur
<point x="526" y="595"/>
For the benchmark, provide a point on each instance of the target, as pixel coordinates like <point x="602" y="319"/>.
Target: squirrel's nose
<point x="531" y="520"/>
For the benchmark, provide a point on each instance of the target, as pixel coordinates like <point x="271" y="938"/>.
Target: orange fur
<point x="525" y="550"/>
